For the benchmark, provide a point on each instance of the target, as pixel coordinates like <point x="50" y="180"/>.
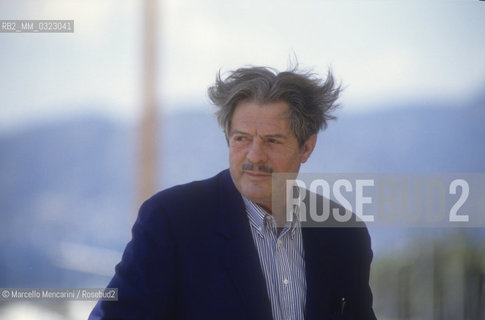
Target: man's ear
<point x="307" y="147"/>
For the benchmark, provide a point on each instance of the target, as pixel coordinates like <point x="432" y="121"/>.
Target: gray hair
<point x="311" y="99"/>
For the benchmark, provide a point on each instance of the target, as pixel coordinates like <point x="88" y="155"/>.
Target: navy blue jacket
<point x="192" y="256"/>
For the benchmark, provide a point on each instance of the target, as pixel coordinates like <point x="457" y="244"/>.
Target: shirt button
<point x="285" y="281"/>
<point x="279" y="242"/>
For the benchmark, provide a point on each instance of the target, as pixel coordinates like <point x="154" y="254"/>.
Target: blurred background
<point x="94" y="121"/>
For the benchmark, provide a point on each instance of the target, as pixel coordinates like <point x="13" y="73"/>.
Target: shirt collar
<point x="259" y="218"/>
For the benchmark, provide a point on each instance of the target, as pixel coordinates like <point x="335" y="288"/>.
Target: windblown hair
<point x="311" y="99"/>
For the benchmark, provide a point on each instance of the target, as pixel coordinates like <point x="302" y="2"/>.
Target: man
<point x="219" y="249"/>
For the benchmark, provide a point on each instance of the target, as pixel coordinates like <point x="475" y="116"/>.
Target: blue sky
<point x="382" y="51"/>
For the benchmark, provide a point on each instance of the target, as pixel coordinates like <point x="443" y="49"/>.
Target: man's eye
<point x="273" y="141"/>
<point x="240" y="138"/>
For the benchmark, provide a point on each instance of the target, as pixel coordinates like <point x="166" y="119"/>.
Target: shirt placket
<point x="284" y="283"/>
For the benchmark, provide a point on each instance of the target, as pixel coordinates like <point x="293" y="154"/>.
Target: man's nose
<point x="257" y="152"/>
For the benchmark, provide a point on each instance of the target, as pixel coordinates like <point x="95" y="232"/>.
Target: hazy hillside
<point x="72" y="182"/>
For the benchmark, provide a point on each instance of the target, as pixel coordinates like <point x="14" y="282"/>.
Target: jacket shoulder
<point x="185" y="200"/>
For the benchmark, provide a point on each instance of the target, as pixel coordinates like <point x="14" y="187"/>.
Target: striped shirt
<point x="282" y="261"/>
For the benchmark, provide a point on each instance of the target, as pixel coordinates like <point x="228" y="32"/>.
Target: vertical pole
<point x="148" y="131"/>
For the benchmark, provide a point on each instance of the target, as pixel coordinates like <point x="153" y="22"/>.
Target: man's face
<point x="261" y="142"/>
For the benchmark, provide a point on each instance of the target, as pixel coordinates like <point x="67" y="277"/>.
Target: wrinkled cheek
<point x="236" y="159"/>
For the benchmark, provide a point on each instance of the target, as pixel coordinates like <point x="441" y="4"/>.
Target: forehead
<point x="261" y="116"/>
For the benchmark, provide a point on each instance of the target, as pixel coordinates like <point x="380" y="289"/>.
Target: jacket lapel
<point x="319" y="266"/>
<point x="239" y="252"/>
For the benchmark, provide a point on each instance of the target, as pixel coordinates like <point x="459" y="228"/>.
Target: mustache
<point x="253" y="167"/>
